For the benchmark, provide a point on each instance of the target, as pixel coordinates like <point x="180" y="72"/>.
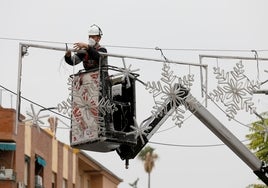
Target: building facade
<point x="34" y="158"/>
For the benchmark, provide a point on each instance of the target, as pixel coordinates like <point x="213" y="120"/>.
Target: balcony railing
<point x="7" y="174"/>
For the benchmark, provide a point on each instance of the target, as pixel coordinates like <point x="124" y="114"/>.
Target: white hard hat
<point x="94" y="30"/>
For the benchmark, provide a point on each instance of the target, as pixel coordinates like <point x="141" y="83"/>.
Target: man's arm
<point x="75" y="59"/>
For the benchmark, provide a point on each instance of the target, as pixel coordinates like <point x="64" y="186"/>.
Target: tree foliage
<point x="256" y="186"/>
<point x="259" y="144"/>
<point x="258" y="139"/>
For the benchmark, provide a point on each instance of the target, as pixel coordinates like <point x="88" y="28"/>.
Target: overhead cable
<point x="190" y="146"/>
<point x="41" y="106"/>
<point x="138" y="47"/>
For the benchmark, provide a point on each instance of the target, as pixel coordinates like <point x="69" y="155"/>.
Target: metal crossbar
<point x="23" y="50"/>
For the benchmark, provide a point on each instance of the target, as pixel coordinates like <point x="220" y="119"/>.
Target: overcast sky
<point x="239" y="25"/>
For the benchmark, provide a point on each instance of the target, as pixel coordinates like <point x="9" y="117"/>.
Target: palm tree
<point x="148" y="157"/>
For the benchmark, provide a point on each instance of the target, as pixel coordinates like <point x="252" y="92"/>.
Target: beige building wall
<point x="74" y="167"/>
<point x="97" y="181"/>
<point x="28" y="139"/>
<point x="58" y="164"/>
<point x="107" y="183"/>
<point x="65" y="162"/>
<point x="55" y="155"/>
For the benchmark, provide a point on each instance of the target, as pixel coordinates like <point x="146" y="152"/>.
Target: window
<point x="64" y="183"/>
<point x="7" y="160"/>
<point x="54" y="180"/>
<point x="7" y="154"/>
<point x="26" y="170"/>
<point x="40" y="163"/>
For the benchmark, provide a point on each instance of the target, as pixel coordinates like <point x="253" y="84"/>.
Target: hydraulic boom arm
<point x="258" y="167"/>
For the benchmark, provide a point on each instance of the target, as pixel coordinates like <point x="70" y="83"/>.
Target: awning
<point x="8" y="146"/>
<point x="41" y="161"/>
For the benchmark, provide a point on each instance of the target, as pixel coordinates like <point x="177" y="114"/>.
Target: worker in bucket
<point x="88" y="53"/>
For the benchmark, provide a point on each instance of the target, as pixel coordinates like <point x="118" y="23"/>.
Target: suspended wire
<point x="44" y="126"/>
<point x="185" y="49"/>
<point x="32" y="40"/>
<point x="191" y="146"/>
<point x="130" y="47"/>
<point x="41" y="106"/>
<point x="187" y="146"/>
<point x="162" y="54"/>
<point x="137" y="47"/>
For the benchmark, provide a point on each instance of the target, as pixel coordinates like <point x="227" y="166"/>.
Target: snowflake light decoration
<point x="35" y="118"/>
<point x="234" y="90"/>
<point x="170" y="92"/>
<point x="86" y="106"/>
<point x="65" y="107"/>
<point x="126" y="73"/>
<point x="85" y="90"/>
<point x="139" y="131"/>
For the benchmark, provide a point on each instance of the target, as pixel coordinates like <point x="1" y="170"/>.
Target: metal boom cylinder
<point x="226" y="136"/>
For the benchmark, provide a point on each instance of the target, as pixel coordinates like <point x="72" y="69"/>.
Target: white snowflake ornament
<point x="170" y="93"/>
<point x="138" y="131"/>
<point x="234" y="90"/>
<point x="35" y="118"/>
<point x="126" y="73"/>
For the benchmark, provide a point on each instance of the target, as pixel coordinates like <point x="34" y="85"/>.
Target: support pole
<point x="18" y="89"/>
